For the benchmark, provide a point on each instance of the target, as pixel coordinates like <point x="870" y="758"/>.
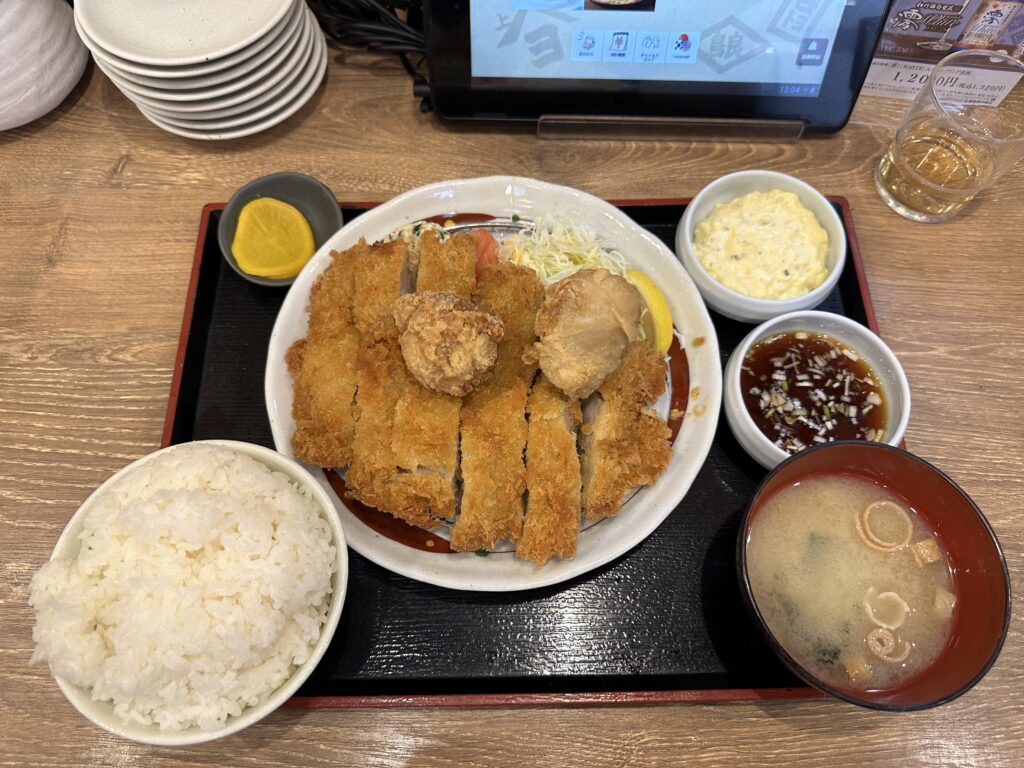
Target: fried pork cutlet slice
<point x="330" y="299"/>
<point x="425" y="444"/>
<point x="493" y="432"/>
<point x="323" y="369"/>
<point x="625" y="444"/>
<point x="552" y="522"/>
<point x="513" y="293"/>
<point x="379" y="276"/>
<point x="447" y="266"/>
<point x="374" y="476"/>
<point x="493" y="473"/>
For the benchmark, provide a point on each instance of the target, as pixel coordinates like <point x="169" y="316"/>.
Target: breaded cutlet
<point x="379" y="276"/>
<point x="373" y="475"/>
<point x="447" y="265"/>
<point x="323" y="370"/>
<point x="513" y="293"/>
<point x="552" y="522"/>
<point x="625" y="444"/>
<point x="493" y="429"/>
<point x="493" y="437"/>
<point x="330" y="298"/>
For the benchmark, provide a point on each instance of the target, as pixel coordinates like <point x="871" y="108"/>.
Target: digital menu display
<point x="770" y="47"/>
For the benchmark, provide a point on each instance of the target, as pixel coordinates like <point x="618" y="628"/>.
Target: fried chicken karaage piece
<point x="552" y="522"/>
<point x="448" y="345"/>
<point x="625" y="444"/>
<point x="494" y="430"/>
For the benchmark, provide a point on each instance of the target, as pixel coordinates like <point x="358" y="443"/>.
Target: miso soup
<point x="850" y="581"/>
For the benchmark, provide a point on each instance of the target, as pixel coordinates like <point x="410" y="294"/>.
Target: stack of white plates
<point x="205" y="69"/>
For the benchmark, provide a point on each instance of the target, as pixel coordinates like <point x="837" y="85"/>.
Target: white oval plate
<point x="505" y="196"/>
<point x="285" y="110"/>
<point x="181" y="32"/>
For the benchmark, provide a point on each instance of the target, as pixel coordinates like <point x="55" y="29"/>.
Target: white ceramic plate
<point x="505" y="196"/>
<point x="284" y="112"/>
<point x="295" y="87"/>
<point x="283" y="63"/>
<point x="185" y="70"/>
<point x="177" y="32"/>
<point x="102" y="712"/>
<point x="286" y="38"/>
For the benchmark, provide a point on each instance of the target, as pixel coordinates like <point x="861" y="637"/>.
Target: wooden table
<point x="99" y="211"/>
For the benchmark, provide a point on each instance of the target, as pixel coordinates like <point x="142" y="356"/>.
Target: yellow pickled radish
<point x="657" y="320"/>
<point x="272" y="239"/>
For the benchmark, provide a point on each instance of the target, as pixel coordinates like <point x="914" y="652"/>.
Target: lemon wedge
<point x="657" y="320"/>
<point x="272" y="239"/>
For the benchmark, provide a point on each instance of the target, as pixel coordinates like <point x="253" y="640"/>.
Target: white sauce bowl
<point x="895" y="388"/>
<point x="732" y="303"/>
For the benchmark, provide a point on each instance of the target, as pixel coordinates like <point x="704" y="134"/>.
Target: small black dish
<point x="310" y="196"/>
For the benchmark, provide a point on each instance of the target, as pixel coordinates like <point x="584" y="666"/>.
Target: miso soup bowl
<point x="981" y="582"/>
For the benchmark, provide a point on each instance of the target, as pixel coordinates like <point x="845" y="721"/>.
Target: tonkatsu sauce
<point x="804" y="388"/>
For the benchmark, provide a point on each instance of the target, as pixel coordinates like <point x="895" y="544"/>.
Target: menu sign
<point x="919" y="33"/>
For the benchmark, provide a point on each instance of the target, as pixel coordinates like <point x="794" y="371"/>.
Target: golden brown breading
<point x="494" y="428"/>
<point x="514" y="294"/>
<point x="448" y="265"/>
<point x="330" y="299"/>
<point x="374" y="476"/>
<point x="324" y="374"/>
<point x="625" y="445"/>
<point x="323" y="369"/>
<point x="425" y="444"/>
<point x="493" y="473"/>
<point x="379" y="274"/>
<point x="553" y="481"/>
<point x="447" y="343"/>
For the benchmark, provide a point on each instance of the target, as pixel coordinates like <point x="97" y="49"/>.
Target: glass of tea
<point x="964" y="129"/>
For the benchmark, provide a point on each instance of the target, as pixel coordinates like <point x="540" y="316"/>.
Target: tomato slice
<point x="486" y="250"/>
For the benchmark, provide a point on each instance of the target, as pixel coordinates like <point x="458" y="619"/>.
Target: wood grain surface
<point x="99" y="211"/>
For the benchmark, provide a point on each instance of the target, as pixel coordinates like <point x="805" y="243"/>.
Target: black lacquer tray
<point x="664" y="622"/>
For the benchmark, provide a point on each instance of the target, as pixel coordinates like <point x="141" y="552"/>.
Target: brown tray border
<point x="610" y="698"/>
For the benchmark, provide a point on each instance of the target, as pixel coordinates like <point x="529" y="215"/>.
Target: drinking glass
<point x="957" y="137"/>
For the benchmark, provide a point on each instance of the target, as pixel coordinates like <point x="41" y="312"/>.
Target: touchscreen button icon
<point x="812" y="52"/>
<point x="618" y="46"/>
<point x="650" y="47"/>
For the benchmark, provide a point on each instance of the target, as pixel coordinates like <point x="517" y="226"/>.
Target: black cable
<point x="379" y="26"/>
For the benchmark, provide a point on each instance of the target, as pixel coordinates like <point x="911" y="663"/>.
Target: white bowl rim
<point x="684" y="238"/>
<point x="80" y="697"/>
<point x="732" y="397"/>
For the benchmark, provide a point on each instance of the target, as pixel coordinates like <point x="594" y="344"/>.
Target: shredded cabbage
<point x="556" y="248"/>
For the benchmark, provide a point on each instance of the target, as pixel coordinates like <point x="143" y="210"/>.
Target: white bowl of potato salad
<point x="760" y="243"/>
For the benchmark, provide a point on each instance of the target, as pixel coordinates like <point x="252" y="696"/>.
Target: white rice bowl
<point x="192" y="593"/>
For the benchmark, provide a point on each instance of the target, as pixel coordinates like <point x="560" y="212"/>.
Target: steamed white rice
<point x="203" y="579"/>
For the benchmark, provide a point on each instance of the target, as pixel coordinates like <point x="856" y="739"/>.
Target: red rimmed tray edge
<point x="607" y="698"/>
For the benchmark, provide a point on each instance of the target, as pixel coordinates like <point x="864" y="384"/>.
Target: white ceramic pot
<point x="41" y="58"/>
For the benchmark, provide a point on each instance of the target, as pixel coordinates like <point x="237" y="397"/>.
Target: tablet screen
<point x="753" y="61"/>
<point x="766" y="47"/>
